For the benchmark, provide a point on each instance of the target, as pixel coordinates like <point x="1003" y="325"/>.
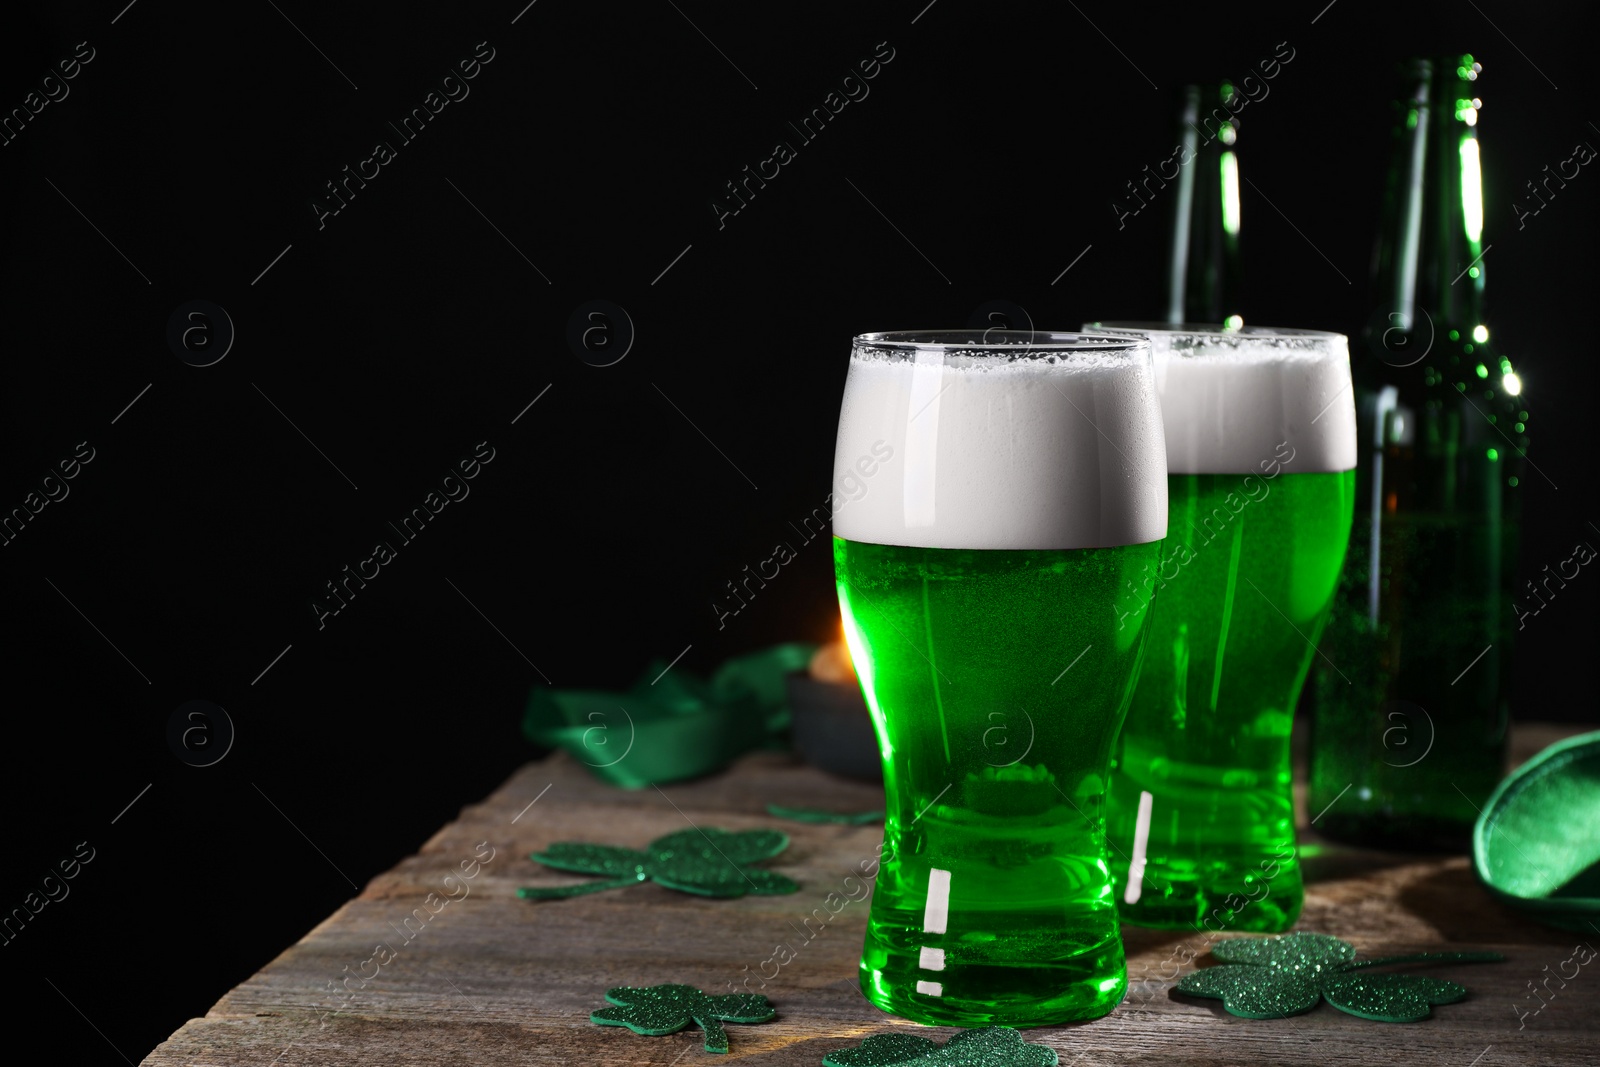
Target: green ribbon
<point x="671" y="725"/>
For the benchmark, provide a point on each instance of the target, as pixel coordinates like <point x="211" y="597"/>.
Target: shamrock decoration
<point x="666" y="1009"/>
<point x="991" y="1046"/>
<point x="1274" y="977"/>
<point x="817" y="815"/>
<point x="711" y="863"/>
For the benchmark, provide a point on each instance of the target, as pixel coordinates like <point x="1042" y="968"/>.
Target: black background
<point x="408" y="329"/>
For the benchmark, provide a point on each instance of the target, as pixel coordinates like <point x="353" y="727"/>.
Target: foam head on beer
<point x="1233" y="398"/>
<point x="1000" y="440"/>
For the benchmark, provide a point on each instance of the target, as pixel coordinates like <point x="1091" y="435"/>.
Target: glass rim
<point x="1002" y="343"/>
<point x="1124" y="327"/>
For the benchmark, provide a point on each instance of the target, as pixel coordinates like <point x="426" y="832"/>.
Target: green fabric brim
<point x="1536" y="845"/>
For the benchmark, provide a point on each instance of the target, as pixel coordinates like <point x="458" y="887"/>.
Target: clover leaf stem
<point x="716" y="1036"/>
<point x="561" y="892"/>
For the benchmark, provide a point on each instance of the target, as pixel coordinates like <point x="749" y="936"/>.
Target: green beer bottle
<point x="1204" y="272"/>
<point x="1409" y="710"/>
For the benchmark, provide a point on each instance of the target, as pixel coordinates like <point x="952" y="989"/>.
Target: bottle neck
<point x="1430" y="260"/>
<point x="1205" y="273"/>
<point x="1429" y="263"/>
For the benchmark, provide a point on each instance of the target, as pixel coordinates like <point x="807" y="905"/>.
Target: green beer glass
<point x="1261" y="450"/>
<point x="994" y="492"/>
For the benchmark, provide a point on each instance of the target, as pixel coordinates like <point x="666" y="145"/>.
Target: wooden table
<point x="477" y="976"/>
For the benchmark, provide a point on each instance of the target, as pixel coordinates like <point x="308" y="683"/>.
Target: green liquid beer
<point x="995" y="493"/>
<point x="995" y="771"/>
<point x="1260" y="436"/>
<point x="1207" y="736"/>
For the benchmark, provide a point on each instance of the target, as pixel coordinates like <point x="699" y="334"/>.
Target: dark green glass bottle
<point x="1204" y="272"/>
<point x="1409" y="705"/>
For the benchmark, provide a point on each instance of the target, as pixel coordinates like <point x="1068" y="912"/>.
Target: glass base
<point x="1236" y="899"/>
<point x="1018" y="981"/>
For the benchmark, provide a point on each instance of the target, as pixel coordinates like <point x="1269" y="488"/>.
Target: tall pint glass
<point x="1017" y="485"/>
<point x="1261" y="451"/>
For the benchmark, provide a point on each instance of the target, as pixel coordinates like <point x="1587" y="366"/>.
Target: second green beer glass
<point x="996" y="491"/>
<point x="1260" y="433"/>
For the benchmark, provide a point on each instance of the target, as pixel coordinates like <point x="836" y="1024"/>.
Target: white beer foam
<point x="1043" y="453"/>
<point x="1230" y="402"/>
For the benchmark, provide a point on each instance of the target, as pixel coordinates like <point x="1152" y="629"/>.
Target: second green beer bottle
<point x="1409" y="712"/>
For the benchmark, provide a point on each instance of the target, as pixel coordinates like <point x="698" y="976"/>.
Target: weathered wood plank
<point x="488" y="978"/>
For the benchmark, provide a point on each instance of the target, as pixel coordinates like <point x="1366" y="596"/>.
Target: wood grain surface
<point x="474" y="975"/>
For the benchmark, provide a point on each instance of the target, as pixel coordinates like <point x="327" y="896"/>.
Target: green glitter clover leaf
<point x="990" y="1046"/>
<point x="709" y="863"/>
<point x="665" y="1009"/>
<point x="1275" y="977"/>
<point x="817" y="815"/>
